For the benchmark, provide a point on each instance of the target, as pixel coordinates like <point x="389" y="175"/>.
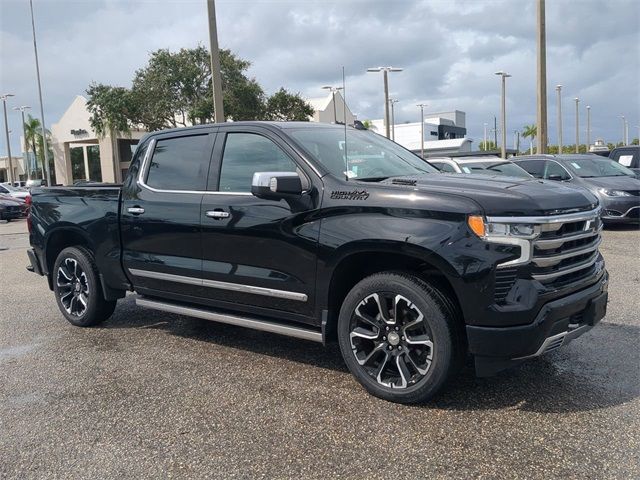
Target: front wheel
<point x="399" y="337"/>
<point x="76" y="284"/>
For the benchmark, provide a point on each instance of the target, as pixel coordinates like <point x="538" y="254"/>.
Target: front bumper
<point x="11" y="214"/>
<point x="621" y="209"/>
<point x="557" y="323"/>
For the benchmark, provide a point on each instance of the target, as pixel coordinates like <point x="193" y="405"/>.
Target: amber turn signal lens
<point x="476" y="224"/>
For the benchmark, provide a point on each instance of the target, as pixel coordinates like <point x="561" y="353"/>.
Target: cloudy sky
<point x="449" y="51"/>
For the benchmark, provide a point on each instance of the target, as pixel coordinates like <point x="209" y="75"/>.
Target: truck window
<point x="179" y="163"/>
<point x="247" y="153"/>
<point x="555" y="171"/>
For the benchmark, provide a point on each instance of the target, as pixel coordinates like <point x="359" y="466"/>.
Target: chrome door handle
<point x="135" y="210"/>
<point x="217" y="214"/>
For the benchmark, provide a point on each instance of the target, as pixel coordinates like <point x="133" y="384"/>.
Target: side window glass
<point x="533" y="167"/>
<point x="448" y="168"/>
<point x="180" y="163"/>
<point x="247" y="153"/>
<point x="555" y="172"/>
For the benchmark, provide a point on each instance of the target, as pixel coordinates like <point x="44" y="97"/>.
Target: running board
<point x="264" y="325"/>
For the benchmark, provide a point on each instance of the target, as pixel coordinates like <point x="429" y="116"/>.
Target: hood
<point x="500" y="195"/>
<point x="9" y="200"/>
<point x="613" y="183"/>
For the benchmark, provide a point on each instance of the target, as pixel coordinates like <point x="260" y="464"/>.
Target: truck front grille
<point x="566" y="250"/>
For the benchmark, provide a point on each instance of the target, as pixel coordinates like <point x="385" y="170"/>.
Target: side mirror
<point x="557" y="178"/>
<point x="276" y="185"/>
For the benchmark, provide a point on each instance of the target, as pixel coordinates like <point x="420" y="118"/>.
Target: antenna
<point x="344" y="109"/>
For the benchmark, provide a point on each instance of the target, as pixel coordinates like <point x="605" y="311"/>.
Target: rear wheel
<point x="399" y="337"/>
<point x="76" y="284"/>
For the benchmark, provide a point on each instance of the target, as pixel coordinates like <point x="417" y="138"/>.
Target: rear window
<point x="180" y="163"/>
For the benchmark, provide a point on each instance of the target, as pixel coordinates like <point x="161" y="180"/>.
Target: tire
<point x="77" y="288"/>
<point x="408" y="356"/>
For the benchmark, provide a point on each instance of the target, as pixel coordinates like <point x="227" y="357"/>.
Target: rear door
<point x="260" y="254"/>
<point x="160" y="213"/>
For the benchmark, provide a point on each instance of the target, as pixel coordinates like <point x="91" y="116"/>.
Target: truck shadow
<point x="598" y="370"/>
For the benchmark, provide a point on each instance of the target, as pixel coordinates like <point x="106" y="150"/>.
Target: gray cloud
<point x="449" y="50"/>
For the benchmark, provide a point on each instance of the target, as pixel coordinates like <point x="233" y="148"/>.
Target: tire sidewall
<point x="89" y="314"/>
<point x="420" y="294"/>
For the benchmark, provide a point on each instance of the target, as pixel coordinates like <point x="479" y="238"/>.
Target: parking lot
<point x="150" y="395"/>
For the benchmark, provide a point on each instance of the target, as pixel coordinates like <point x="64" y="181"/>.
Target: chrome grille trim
<point x="550" y="260"/>
<point x="564" y="271"/>
<point x="546" y="244"/>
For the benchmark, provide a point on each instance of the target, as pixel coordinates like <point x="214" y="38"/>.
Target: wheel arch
<point x="59" y="239"/>
<point x="357" y="264"/>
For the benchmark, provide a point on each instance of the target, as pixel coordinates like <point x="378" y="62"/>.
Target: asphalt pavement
<point x="155" y="395"/>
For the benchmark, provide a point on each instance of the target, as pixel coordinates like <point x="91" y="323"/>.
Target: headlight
<point x="516" y="234"/>
<point x="492" y="230"/>
<point x="613" y="193"/>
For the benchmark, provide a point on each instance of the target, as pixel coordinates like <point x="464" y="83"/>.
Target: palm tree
<point x="368" y="124"/>
<point x="33" y="140"/>
<point x="530" y="131"/>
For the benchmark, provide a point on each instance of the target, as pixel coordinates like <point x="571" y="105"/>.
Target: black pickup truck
<point x="329" y="233"/>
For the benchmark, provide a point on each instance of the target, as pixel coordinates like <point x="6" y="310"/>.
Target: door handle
<point x="217" y="214"/>
<point x="135" y="210"/>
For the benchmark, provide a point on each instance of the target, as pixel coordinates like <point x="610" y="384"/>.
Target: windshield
<point x="498" y="168"/>
<point x="369" y="156"/>
<point x="598" y="167"/>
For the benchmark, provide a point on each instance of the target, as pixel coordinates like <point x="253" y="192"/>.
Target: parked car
<point x="11" y="208"/>
<point x="321" y="232"/>
<point x="12" y="191"/>
<point x="36" y="182"/>
<point x="616" y="186"/>
<point x="628" y="156"/>
<point x="487" y="165"/>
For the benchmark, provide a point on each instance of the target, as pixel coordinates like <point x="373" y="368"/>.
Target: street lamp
<point x="422" y="105"/>
<point x="44" y="127"/>
<point x="485" y="136"/>
<point x="577" y="100"/>
<point x="385" y="71"/>
<point x="625" y="140"/>
<point x="503" y="120"/>
<point x="559" y="90"/>
<point x="588" y="127"/>
<point x="333" y="93"/>
<point x="21" y="109"/>
<point x="392" y="102"/>
<point x="4" y="97"/>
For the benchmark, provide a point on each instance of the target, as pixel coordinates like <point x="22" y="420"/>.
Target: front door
<point x="260" y="254"/>
<point x="160" y="216"/>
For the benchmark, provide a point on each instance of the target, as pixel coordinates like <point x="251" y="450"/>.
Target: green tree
<point x="285" y="106"/>
<point x="368" y="124"/>
<point x="33" y="142"/>
<point x="530" y="132"/>
<point x="174" y="89"/>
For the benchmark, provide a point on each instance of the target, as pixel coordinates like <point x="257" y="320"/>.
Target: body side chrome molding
<point x="263" y="325"/>
<point x="235" y="287"/>
<point x="565" y="218"/>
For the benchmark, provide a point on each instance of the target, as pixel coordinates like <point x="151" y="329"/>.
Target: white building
<point x="18" y="167"/>
<point x="326" y="111"/>
<point x="79" y="154"/>
<point x="443" y="133"/>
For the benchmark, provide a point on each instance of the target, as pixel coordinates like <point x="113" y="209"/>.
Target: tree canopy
<point x="174" y="89"/>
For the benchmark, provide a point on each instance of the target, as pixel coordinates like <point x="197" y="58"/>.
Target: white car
<point x="13" y="191"/>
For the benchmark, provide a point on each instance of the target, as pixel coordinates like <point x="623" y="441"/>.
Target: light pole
<point x="503" y="120"/>
<point x="588" y="127"/>
<point x="333" y="93"/>
<point x="4" y="97"/>
<point x="559" y="90"/>
<point x="385" y="71"/>
<point x="216" y="77"/>
<point x="422" y="105"/>
<point x="542" y="79"/>
<point x="485" y="136"/>
<point x="577" y="100"/>
<point x="392" y="102"/>
<point x="44" y="127"/>
<point x="24" y="136"/>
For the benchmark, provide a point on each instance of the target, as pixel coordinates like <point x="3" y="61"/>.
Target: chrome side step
<point x="264" y="325"/>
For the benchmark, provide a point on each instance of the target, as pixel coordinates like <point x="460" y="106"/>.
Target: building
<point x="328" y="111"/>
<point x="79" y="154"/>
<point x="444" y="133"/>
<point x="18" y="167"/>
